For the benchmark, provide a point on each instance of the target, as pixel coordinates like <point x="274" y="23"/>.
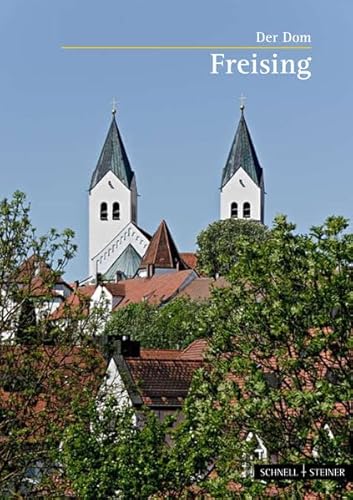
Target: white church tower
<point x="113" y="227"/>
<point x="242" y="187"/>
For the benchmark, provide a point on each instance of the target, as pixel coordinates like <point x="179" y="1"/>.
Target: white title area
<point x="263" y="64"/>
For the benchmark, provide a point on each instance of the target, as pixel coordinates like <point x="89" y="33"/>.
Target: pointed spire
<point x="242" y="154"/>
<point x="113" y="157"/>
<point x="162" y="251"/>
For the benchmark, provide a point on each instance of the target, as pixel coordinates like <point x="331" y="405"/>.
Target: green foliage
<point x="219" y="244"/>
<point x="172" y="326"/>
<point x="278" y="367"/>
<point x="38" y="382"/>
<point x="279" y="359"/>
<point x="18" y="240"/>
<point x="107" y="454"/>
<point x="27" y="322"/>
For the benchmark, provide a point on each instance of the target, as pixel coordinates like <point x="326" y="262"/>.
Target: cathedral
<point x="119" y="248"/>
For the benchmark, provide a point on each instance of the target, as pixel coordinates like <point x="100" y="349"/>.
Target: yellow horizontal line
<point x="186" y="47"/>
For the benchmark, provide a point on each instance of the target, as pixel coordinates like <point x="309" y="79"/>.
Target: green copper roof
<point x="127" y="263"/>
<point x="113" y="157"/>
<point x="242" y="154"/>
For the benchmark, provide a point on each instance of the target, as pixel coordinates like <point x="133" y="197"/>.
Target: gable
<point x="130" y="235"/>
<point x="127" y="264"/>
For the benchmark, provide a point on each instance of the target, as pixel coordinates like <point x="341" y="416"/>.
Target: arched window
<point x="116" y="210"/>
<point x="246" y="210"/>
<point x="234" y="210"/>
<point x="104" y="211"/>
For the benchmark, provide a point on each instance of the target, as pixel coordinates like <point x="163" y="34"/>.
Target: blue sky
<point x="176" y="119"/>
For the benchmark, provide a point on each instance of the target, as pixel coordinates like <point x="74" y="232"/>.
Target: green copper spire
<point x="242" y="154"/>
<point x="127" y="263"/>
<point x="113" y="157"/>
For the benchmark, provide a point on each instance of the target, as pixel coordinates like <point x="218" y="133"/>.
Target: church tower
<point x="242" y="187"/>
<point x="112" y="197"/>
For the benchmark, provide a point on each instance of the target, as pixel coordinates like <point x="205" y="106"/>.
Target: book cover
<point x="179" y="141"/>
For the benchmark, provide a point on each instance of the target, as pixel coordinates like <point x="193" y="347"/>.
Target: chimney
<point x="99" y="278"/>
<point x="119" y="276"/>
<point x="120" y="345"/>
<point x="130" y="348"/>
<point x="150" y="270"/>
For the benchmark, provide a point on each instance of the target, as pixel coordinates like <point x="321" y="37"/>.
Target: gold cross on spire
<point x="113" y="106"/>
<point x="242" y="102"/>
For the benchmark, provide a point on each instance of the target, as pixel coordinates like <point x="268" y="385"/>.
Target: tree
<point x="171" y="326"/>
<point x="219" y="244"/>
<point x="44" y="364"/>
<point x="107" y="453"/>
<point x="278" y="383"/>
<point x="27" y="321"/>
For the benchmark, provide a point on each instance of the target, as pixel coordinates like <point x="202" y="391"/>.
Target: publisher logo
<point x="303" y="472"/>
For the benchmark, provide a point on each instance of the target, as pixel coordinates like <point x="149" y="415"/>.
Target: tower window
<point x="116" y="211"/>
<point x="104" y="211"/>
<point x="234" y="210"/>
<point x="246" y="210"/>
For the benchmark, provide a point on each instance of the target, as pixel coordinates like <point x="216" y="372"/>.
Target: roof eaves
<point x="126" y="376"/>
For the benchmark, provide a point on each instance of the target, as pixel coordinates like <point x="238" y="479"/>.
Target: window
<point x="104" y="211"/>
<point x="116" y="211"/>
<point x="234" y="210"/>
<point x="246" y="210"/>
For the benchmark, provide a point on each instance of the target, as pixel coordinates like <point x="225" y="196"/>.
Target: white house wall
<point x="115" y="385"/>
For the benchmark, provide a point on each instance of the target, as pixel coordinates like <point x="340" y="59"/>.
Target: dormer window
<point x="234" y="210"/>
<point x="116" y="211"/>
<point x="246" y="210"/>
<point x="104" y="211"/>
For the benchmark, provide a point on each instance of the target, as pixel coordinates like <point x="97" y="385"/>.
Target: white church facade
<point x="116" y="243"/>
<point x="118" y="247"/>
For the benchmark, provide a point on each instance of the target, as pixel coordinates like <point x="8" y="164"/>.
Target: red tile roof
<point x="162" y="251"/>
<point x="195" y="351"/>
<point x="163" y="376"/>
<point x="200" y="288"/>
<point x="116" y="289"/>
<point x="77" y="302"/>
<point x="159" y="354"/>
<point x="162" y="382"/>
<point x="189" y="258"/>
<point x="155" y="290"/>
<point x="59" y="372"/>
<point x="38" y="279"/>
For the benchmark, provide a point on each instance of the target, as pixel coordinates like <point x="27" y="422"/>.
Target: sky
<point x="177" y="120"/>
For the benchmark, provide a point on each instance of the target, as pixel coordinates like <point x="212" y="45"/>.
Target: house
<point x="34" y="293"/>
<point x="158" y="289"/>
<point x="156" y="378"/>
<point x="41" y="387"/>
<point x="200" y="289"/>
